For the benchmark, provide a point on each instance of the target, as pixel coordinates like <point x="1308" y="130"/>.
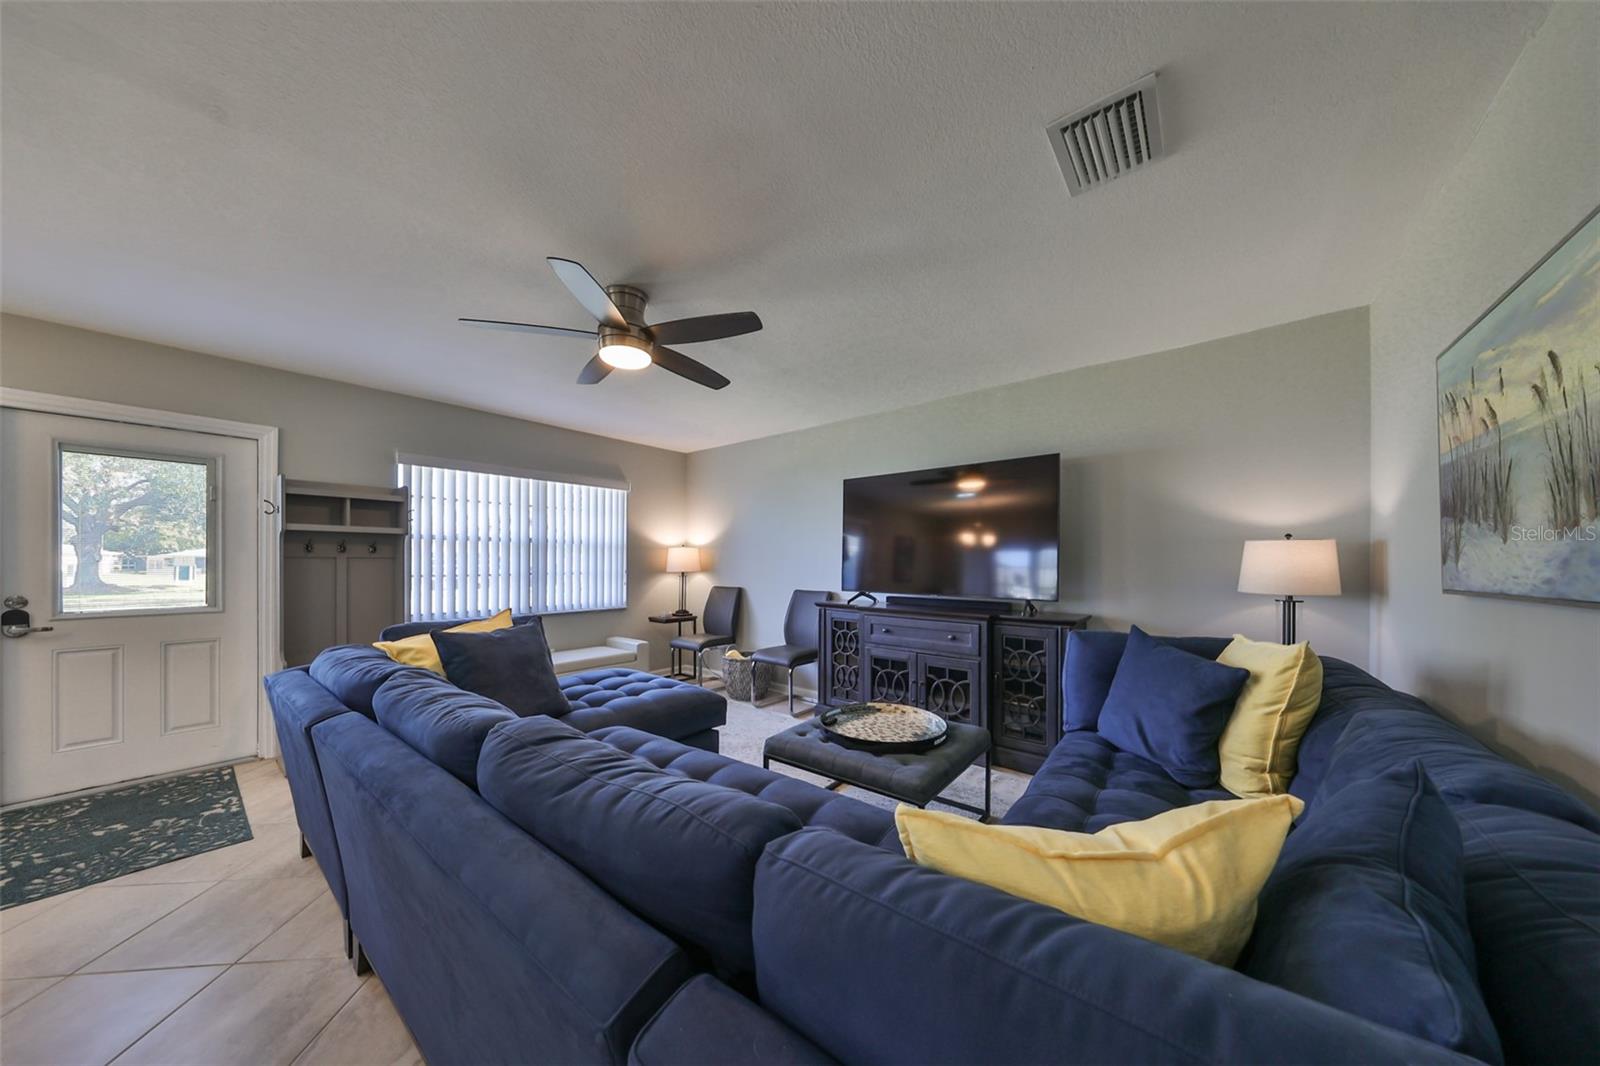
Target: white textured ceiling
<point x="325" y="188"/>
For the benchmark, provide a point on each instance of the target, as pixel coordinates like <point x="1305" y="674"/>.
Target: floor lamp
<point x="1290" y="568"/>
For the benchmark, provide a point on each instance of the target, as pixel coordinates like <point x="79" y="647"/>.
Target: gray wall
<point x="1525" y="676"/>
<point x="1170" y="462"/>
<point x="336" y="432"/>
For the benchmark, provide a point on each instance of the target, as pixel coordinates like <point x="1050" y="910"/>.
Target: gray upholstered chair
<point x="800" y="637"/>
<point x="720" y="625"/>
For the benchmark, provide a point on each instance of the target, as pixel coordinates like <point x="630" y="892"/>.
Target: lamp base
<point x="1289" y="605"/>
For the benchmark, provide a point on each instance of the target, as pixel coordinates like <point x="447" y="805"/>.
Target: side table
<point x="678" y="674"/>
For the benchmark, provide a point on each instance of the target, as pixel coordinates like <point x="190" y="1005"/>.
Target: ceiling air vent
<point x="1105" y="141"/>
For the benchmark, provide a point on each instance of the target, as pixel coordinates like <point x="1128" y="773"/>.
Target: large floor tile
<point x="366" y="1032"/>
<point x="219" y="926"/>
<point x="279" y="855"/>
<point x="261" y="1013"/>
<point x="12" y="917"/>
<point x="92" y="922"/>
<point x="267" y="799"/>
<point x="15" y="993"/>
<point x="317" y="932"/>
<point x="90" y="1019"/>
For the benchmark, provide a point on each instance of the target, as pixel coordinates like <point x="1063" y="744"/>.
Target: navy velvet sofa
<point x="620" y="896"/>
<point x="345" y="679"/>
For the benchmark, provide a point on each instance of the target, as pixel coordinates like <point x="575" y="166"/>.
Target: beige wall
<point x="1525" y="676"/>
<point x="337" y="432"/>
<point x="1170" y="461"/>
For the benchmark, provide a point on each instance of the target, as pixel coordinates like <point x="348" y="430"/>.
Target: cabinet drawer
<point x="955" y="638"/>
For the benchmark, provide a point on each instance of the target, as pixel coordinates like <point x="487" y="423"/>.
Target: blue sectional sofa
<point x="617" y="895"/>
<point x="346" y="679"/>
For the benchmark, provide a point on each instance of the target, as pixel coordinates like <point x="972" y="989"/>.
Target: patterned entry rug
<point x="56" y="847"/>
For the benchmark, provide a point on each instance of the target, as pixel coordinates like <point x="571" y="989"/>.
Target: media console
<point x="996" y="670"/>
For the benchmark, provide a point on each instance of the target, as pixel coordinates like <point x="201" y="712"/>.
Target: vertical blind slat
<point x="480" y="543"/>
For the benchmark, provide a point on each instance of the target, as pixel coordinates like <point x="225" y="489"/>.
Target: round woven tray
<point x="884" y="727"/>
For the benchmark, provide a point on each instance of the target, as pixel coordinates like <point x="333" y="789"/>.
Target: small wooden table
<point x="677" y="673"/>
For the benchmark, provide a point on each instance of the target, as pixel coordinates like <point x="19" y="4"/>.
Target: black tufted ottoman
<point x="916" y="778"/>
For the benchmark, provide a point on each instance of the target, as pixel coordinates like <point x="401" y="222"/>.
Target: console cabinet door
<point x="1028" y="688"/>
<point x="953" y="688"/>
<point x="891" y="675"/>
<point x="841" y="675"/>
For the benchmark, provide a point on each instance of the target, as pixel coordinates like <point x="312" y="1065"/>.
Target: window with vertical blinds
<point x="481" y="542"/>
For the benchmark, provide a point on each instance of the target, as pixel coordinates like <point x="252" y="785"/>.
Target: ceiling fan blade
<point x="594" y="371"/>
<point x="590" y="293"/>
<point x="684" y="367"/>
<point x="706" y="328"/>
<point x="528" y="327"/>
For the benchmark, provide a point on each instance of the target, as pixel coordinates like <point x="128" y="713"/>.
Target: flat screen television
<point x="987" y="530"/>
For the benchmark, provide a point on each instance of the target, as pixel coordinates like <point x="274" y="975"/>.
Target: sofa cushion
<point x="655" y="704"/>
<point x="511" y="666"/>
<point x="706" y="1023"/>
<point x="1091" y="664"/>
<point x="1170" y="706"/>
<point x="994" y="978"/>
<point x="1276" y="705"/>
<point x="1088" y="783"/>
<point x="421" y="649"/>
<point x="679" y="852"/>
<point x="812" y="805"/>
<point x="1533" y="903"/>
<point x="353" y="673"/>
<point x="439" y="721"/>
<point x="1187" y="878"/>
<point x="1366" y="912"/>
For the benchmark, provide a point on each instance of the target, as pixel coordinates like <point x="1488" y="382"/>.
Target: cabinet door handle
<point x="951" y="636"/>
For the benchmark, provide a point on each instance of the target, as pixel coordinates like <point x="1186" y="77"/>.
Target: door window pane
<point x="135" y="533"/>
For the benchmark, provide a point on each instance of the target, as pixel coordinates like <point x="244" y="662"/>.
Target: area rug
<point x="56" y="847"/>
<point x="749" y="726"/>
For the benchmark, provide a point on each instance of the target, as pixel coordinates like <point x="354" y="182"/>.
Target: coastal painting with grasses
<point x="1519" y="436"/>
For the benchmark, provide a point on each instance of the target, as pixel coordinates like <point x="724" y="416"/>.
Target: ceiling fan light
<point x="619" y="354"/>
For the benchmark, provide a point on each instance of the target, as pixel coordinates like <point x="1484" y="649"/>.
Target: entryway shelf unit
<point x="343" y="551"/>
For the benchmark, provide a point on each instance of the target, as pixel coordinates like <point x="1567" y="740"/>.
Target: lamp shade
<point x="1288" y="567"/>
<point x="683" y="560"/>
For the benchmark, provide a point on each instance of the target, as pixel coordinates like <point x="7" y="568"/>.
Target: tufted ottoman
<point x="616" y="696"/>
<point x="910" y="777"/>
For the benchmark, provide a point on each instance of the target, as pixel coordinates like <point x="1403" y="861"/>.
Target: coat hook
<point x="272" y="508"/>
<point x="310" y="547"/>
<point x="372" y="548"/>
<point x="341" y="548"/>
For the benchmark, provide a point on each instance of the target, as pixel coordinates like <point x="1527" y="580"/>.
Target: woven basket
<point x="746" y="680"/>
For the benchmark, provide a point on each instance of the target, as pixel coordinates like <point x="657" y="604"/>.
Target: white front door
<point x="138" y="547"/>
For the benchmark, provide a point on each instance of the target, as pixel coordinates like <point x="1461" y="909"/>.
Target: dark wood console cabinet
<point x="999" y="671"/>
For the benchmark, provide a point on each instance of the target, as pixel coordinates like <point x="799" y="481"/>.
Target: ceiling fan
<point x="626" y="343"/>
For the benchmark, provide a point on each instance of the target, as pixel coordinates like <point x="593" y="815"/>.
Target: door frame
<point x="269" y="653"/>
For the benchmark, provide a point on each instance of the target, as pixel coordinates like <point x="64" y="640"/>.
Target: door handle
<point x="16" y="622"/>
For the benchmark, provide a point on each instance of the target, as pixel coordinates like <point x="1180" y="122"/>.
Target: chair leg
<point x="791" y="692"/>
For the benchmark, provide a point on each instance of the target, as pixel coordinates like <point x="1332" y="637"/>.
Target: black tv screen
<point x="977" y="530"/>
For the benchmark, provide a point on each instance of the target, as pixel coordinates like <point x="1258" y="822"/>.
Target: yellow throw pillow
<point x="1258" y="745"/>
<point x="1187" y="878"/>
<point x="421" y="651"/>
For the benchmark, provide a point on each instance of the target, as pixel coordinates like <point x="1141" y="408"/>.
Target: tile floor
<point x="233" y="956"/>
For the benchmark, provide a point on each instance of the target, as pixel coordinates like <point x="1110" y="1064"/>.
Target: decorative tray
<point x="883" y="727"/>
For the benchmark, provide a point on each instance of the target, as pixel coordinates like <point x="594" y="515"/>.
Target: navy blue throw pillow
<point x="510" y="666"/>
<point x="1170" y="707"/>
<point x="1366" y="911"/>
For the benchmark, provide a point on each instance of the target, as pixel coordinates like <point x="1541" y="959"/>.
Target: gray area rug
<point x="56" y="847"/>
<point x="749" y="726"/>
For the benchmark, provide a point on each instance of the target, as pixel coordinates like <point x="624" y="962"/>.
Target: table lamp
<point x="1288" y="568"/>
<point x="683" y="561"/>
